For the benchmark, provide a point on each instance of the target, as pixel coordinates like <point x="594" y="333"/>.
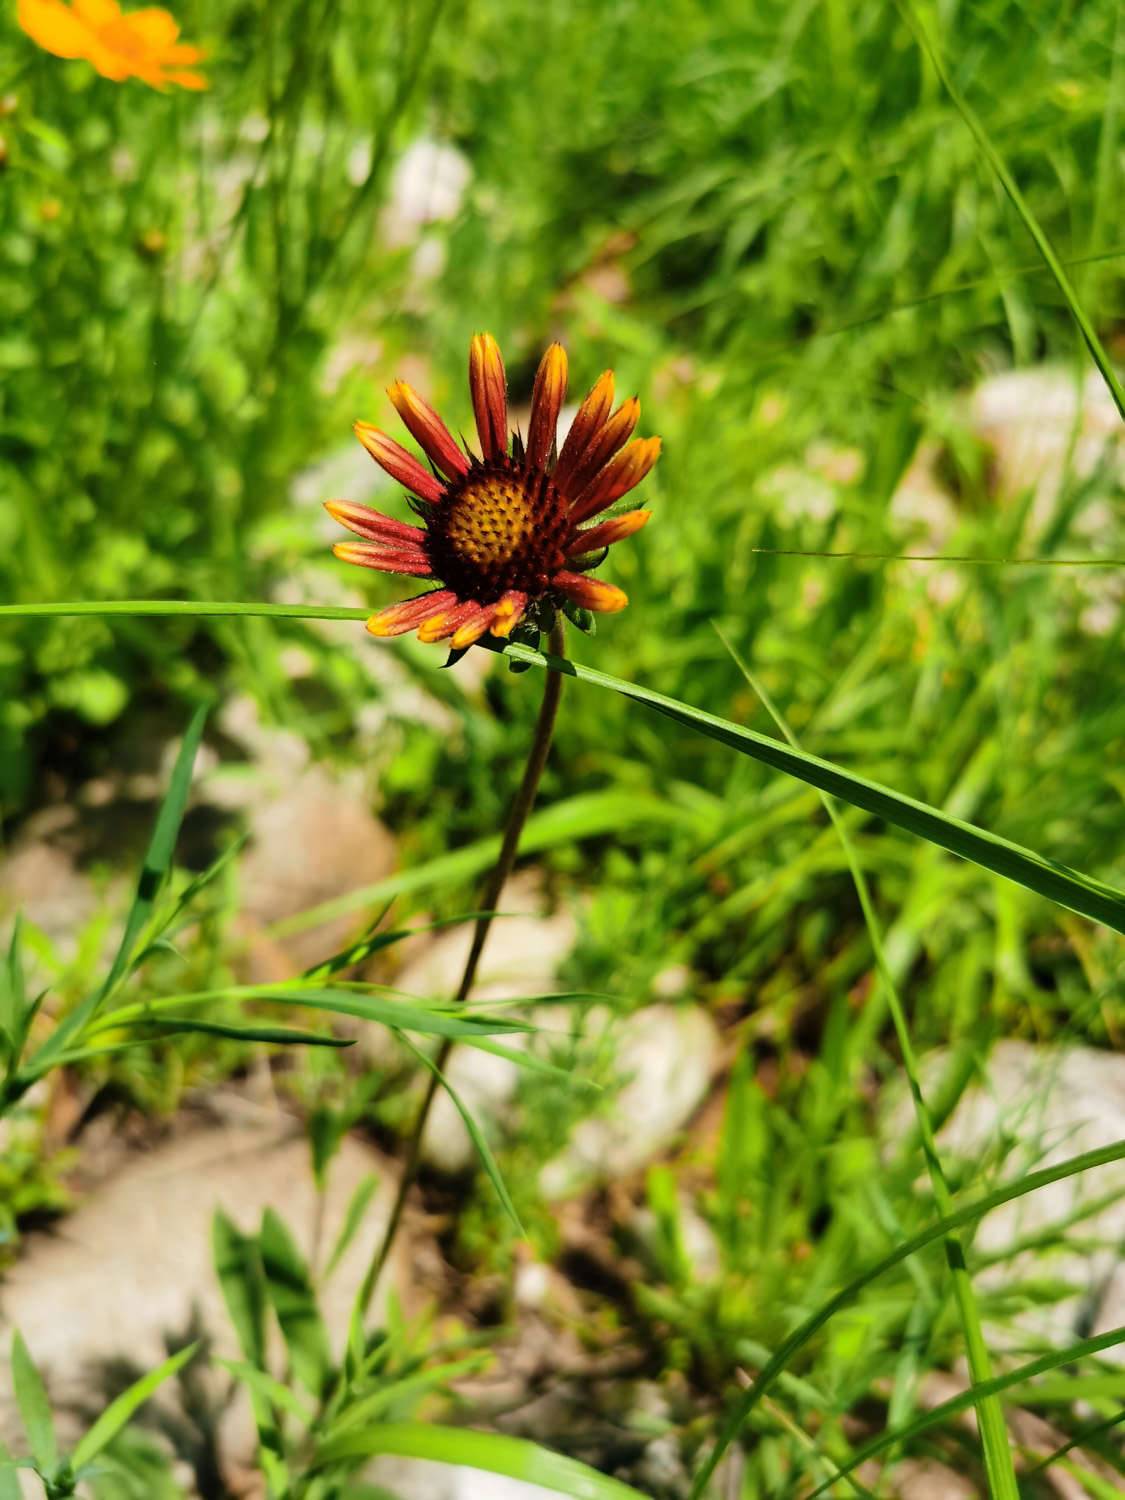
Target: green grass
<point x="804" y="234"/>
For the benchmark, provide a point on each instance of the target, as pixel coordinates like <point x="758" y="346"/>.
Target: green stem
<point x="517" y="817"/>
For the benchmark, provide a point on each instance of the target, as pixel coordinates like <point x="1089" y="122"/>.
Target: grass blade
<point x="1070" y="888"/>
<point x="357" y="1207"/>
<point x="514" y="1458"/>
<point x="118" y="1412"/>
<point x="1019" y="203"/>
<point x="291" y="1292"/>
<point x="938" y="1230"/>
<point x="476" y="1135"/>
<point x="994" y="1434"/>
<point x="154" y="870"/>
<point x="35" y="1408"/>
<point x="286" y="1036"/>
<point x="939" y="1414"/>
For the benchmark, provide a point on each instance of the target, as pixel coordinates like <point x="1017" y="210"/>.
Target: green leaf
<point x="9" y="1478"/>
<point x="239" y="1270"/>
<point x="154" y="871"/>
<point x="1020" y="204"/>
<point x="939" y="1229"/>
<point x="937" y="1415"/>
<point x="515" y="1458"/>
<point x="118" y="1412"/>
<point x="407" y="1014"/>
<point x="357" y="1207"/>
<point x="1080" y="893"/>
<point x="271" y="1390"/>
<point x="483" y="1150"/>
<point x="35" y="1408"/>
<point x="13" y="995"/>
<point x="282" y="1035"/>
<point x="291" y="1292"/>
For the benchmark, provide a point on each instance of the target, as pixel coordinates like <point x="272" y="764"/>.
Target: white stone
<point x="133" y="1262"/>
<point x="521" y="958"/>
<point x="667" y="1053"/>
<point x="1055" y="1103"/>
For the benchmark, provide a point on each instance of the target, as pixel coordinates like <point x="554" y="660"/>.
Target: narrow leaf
<point x="291" y="1292"/>
<point x="1081" y="893"/>
<point x="118" y="1412"/>
<point x="239" y="1271"/>
<point x="515" y="1458"/>
<point x="360" y="1202"/>
<point x="35" y="1408"/>
<point x="939" y="1229"/>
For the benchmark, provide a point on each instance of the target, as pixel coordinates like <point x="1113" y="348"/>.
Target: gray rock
<point x="1052" y="1103"/>
<point x="416" y="1479"/>
<point x="134" y="1261"/>
<point x="667" y="1053"/>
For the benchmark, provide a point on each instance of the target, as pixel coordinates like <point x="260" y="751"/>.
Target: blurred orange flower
<point x="140" y="45"/>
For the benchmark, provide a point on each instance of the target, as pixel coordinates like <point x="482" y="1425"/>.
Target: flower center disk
<point x="499" y="528"/>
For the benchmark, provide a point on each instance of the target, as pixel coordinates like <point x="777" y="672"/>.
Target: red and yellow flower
<point x="504" y="534"/>
<point x="141" y="44"/>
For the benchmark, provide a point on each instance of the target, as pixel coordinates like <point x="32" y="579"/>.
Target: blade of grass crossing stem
<point x="1008" y="182"/>
<point x="994" y="1434"/>
<point x="515" y="1458"/>
<point x="476" y="1135"/>
<point x="939" y="1414"/>
<point x="1070" y="888"/>
<point x="940" y="1229"/>
<point x="118" y="1412"/>
<point x="154" y="871"/>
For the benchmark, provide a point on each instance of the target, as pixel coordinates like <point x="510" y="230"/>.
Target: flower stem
<point x="517" y="817"/>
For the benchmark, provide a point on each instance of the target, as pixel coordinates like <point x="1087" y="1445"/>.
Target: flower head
<point x="142" y="44"/>
<point x="502" y="535"/>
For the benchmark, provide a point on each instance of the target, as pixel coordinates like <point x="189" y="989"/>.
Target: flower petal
<point x="509" y="612"/>
<point x="488" y="386"/>
<point x="397" y="619"/>
<point x="591" y="593"/>
<point x="398" y="463"/>
<point x="188" y="80"/>
<point x="618" y="477"/>
<point x="373" y="525"/>
<point x="604" y="444"/>
<point x="428" y="430"/>
<point x="97" y="13"/>
<point x="588" y="419"/>
<point x="547" y="397"/>
<point x="613" y="530"/>
<point x="474" y="627"/>
<point x="55" y="27"/>
<point x="154" y="27"/>
<point x="413" y="563"/>
<point x="440" y="626"/>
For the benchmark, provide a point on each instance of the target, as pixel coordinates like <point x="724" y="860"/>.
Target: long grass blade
<point x="1019" y="202"/>
<point x="994" y="1436"/>
<point x="515" y="1458"/>
<point x="1069" y="888"/>
<point x="938" y="1230"/>
<point x="938" y="1415"/>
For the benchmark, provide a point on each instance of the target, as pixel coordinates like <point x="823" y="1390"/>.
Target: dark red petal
<point x="398" y="463"/>
<point x="397" y="619"/>
<point x="488" y="386"/>
<point x="410" y="561"/>
<point x="604" y="444"/>
<point x="547" y="398"/>
<point x="428" y="430"/>
<point x="588" y="421"/>
<point x="590" y="593"/>
<point x="618" y="477"/>
<point x="372" y="524"/>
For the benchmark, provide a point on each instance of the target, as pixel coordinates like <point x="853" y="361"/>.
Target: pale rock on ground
<point x="312" y="838"/>
<point x="668" y="1054"/>
<point x="521" y="957"/>
<point x="417" y="1479"/>
<point x="134" y="1261"/>
<point x="1055" y="1103"/>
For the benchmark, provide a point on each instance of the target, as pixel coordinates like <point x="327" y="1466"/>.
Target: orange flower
<point x="502" y="534"/>
<point x="140" y="45"/>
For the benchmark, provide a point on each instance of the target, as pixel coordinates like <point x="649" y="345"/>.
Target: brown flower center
<point x="498" y="528"/>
